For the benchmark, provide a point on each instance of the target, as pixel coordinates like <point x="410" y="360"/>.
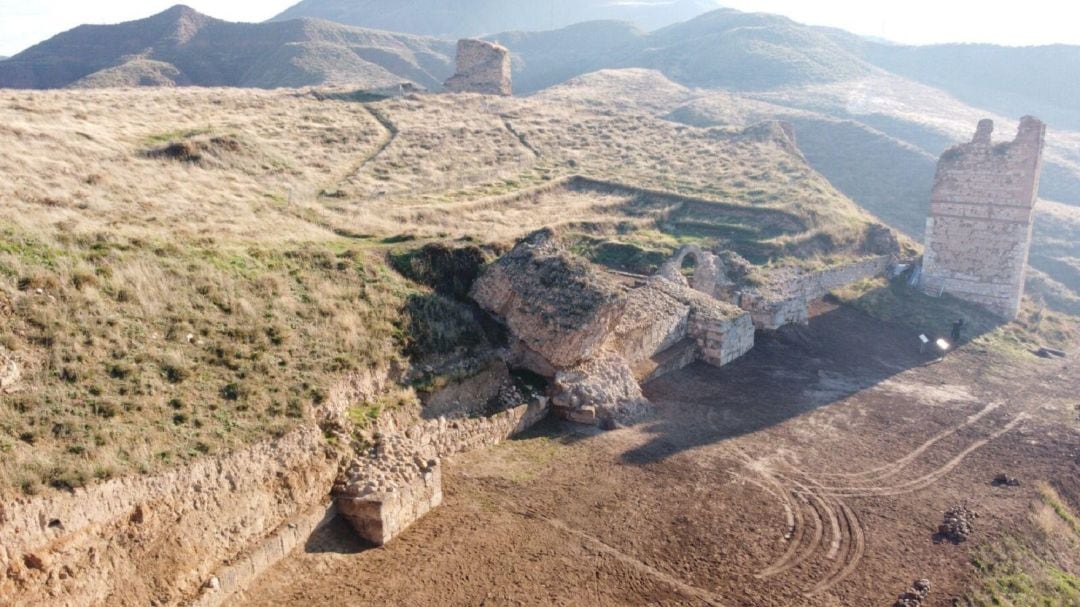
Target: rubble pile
<point x="915" y="595"/>
<point x="1004" y="480"/>
<point x="959" y="524"/>
<point x="388" y="488"/>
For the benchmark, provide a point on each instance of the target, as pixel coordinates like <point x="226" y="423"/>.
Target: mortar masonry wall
<point x="978" y="235"/>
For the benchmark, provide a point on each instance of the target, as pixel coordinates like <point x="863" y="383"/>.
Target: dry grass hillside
<point x="184" y="271"/>
<point x="877" y="140"/>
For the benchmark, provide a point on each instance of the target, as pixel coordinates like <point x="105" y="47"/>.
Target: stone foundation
<point x="978" y="234"/>
<point x="162" y="539"/>
<point x="399" y="481"/>
<point x="786" y="298"/>
<point x="393" y="487"/>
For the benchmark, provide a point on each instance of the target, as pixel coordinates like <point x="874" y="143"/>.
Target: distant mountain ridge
<point x="724" y="48"/>
<point x="184" y="47"/>
<point x="1042" y="80"/>
<point x="471" y="18"/>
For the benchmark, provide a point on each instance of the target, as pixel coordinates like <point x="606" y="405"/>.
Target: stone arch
<point x="708" y="273"/>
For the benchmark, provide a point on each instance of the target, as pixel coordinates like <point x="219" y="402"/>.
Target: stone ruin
<point x="979" y="231"/>
<point x="386" y="488"/>
<point x="595" y="335"/>
<point x="482" y="67"/>
<point x="779" y="297"/>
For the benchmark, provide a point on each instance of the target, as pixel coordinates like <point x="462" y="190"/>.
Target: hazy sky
<point x="26" y="22"/>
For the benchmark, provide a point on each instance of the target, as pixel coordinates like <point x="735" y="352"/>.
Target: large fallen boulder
<point x="597" y="335"/>
<point x="553" y="302"/>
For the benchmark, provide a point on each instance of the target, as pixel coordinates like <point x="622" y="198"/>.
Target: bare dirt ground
<point x="813" y="472"/>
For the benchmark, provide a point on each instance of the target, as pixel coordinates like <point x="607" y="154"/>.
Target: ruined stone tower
<point x="979" y="231"/>
<point x="482" y="67"/>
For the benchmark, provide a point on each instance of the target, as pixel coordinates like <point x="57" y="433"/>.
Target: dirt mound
<point x="220" y="152"/>
<point x="194" y="150"/>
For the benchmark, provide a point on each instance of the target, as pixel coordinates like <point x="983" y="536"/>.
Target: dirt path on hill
<point x="813" y="472"/>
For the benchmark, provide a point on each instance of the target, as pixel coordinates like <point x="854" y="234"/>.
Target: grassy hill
<point x="470" y="18"/>
<point x="183" y="47"/>
<point x="183" y="271"/>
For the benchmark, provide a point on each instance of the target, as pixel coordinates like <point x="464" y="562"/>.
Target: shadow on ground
<point x="790" y="372"/>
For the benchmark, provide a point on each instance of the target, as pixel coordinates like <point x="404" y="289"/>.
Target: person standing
<point x="957" y="332"/>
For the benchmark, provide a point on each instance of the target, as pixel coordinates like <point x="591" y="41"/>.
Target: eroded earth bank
<point x="814" y="471"/>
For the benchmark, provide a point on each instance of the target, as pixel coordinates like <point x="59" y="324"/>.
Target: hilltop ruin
<point x="597" y="337"/>
<point x="979" y="231"/>
<point x="482" y="67"/>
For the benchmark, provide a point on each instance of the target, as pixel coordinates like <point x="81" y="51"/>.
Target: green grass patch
<point x="1012" y="575"/>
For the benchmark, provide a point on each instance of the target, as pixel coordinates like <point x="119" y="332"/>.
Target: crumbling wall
<point x="553" y="303"/>
<point x="160" y="539"/>
<point x="979" y="231"/>
<point x="597" y="338"/>
<point x="482" y="67"/>
<point x="396" y="483"/>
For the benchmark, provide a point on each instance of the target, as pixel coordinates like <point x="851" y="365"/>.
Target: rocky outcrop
<point x="978" y="234"/>
<point x="482" y="67"/>
<point x="555" y="304"/>
<point x="10" y="373"/>
<point x="598" y="337"/>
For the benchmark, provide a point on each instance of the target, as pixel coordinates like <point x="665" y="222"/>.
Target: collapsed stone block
<point x="554" y="303"/>
<point x="482" y="67"/>
<point x="597" y="337"/>
<point x="390" y="488"/>
<point x="978" y="234"/>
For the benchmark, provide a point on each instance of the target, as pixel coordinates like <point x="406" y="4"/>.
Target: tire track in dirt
<point x="682" y="587"/>
<point x="892" y="469"/>
<point x="927" y="479"/>
<point x="855" y="552"/>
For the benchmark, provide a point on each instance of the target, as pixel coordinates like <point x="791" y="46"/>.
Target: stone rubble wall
<point x="978" y="234"/>
<point x="159" y="539"/>
<point x="400" y="480"/>
<point x="722" y="343"/>
<point x="786" y="300"/>
<point x="232" y="581"/>
<point x="482" y="67"/>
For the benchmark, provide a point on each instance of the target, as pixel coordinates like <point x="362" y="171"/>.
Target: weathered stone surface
<point x="557" y="304"/>
<point x="482" y="67"/>
<point x="10" y="373"/>
<point x="389" y="488"/>
<point x="979" y="231"/>
<point x="62" y="548"/>
<point x="780" y="297"/>
<point x="597" y="337"/>
<point x="601" y="388"/>
<point x="397" y="482"/>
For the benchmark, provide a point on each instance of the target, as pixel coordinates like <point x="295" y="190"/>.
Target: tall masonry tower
<point x="981" y="211"/>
